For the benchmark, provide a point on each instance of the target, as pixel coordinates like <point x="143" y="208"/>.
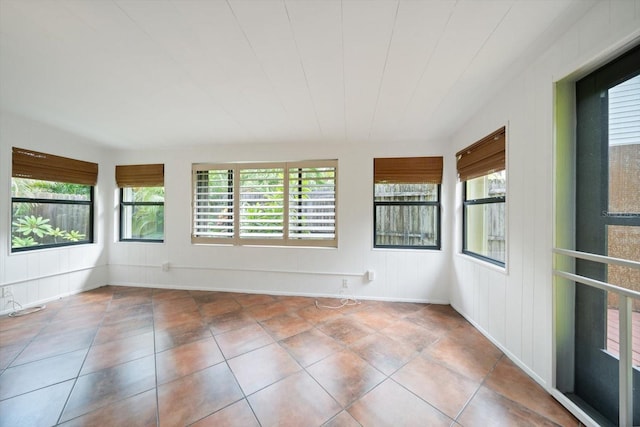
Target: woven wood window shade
<point x="47" y="167"/>
<point x="408" y="170"/>
<point x="140" y="175"/>
<point x="483" y="157"/>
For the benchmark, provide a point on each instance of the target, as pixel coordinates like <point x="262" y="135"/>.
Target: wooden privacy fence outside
<point x="408" y="224"/>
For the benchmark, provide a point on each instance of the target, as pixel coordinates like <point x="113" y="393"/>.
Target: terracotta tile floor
<point x="130" y="356"/>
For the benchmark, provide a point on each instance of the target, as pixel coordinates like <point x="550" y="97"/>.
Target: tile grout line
<point x="417" y="355"/>
<point x="235" y="378"/>
<point x="44" y="326"/>
<point x="84" y="360"/>
<point x="225" y="360"/>
<point x="484" y="379"/>
<point x="155" y="361"/>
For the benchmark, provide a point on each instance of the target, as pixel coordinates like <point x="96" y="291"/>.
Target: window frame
<point x="39" y="166"/>
<point x="123" y="204"/>
<point x="438" y="205"/>
<point x="234" y="187"/>
<point x="479" y="160"/>
<point x="480" y="202"/>
<point x="90" y="203"/>
<point x="409" y="170"/>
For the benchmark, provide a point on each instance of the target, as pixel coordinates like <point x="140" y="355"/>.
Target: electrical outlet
<point x="345" y="283"/>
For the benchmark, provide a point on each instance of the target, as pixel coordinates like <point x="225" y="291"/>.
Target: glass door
<point x="607" y="223"/>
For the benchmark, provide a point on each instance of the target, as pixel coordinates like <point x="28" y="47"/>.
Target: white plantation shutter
<point x="213" y="200"/>
<point x="261" y="203"/>
<point x="271" y="204"/>
<point x="312" y="203"/>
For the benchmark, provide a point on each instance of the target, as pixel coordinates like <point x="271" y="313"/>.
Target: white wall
<point x="38" y="276"/>
<point x="514" y="307"/>
<point x="407" y="275"/>
<point x="42" y="275"/>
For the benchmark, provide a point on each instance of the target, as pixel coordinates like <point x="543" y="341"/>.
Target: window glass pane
<point x="624" y="147"/>
<point x="262" y="203"/>
<point x="37" y="189"/>
<point x="213" y="211"/>
<point x="492" y="185"/>
<point x="58" y="222"/>
<point x="406" y="225"/>
<point x="37" y="224"/>
<point x="143" y="194"/>
<point x="623" y="242"/>
<point x="312" y="199"/>
<point x="143" y="222"/>
<point x="486" y="230"/>
<point x="624" y="200"/>
<point x="406" y="192"/>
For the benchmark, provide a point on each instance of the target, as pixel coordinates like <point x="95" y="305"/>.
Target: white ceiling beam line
<point x="384" y="69"/>
<point x="304" y="71"/>
<point x="184" y="73"/>
<point x="427" y="65"/>
<point x="250" y="45"/>
<point x="478" y="51"/>
<point x="180" y="64"/>
<point x="344" y="79"/>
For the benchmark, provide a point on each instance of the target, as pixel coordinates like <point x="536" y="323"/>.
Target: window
<point x="272" y="204"/>
<point x="481" y="168"/>
<point x="407" y="202"/>
<point x="141" y="202"/>
<point x="51" y="200"/>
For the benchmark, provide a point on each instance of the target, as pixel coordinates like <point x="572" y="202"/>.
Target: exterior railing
<point x="626" y="297"/>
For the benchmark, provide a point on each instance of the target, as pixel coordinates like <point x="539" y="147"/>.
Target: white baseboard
<point x="281" y="293"/>
<point x="47" y="300"/>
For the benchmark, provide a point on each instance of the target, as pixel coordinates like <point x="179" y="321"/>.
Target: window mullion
<point x="51" y="201"/>
<point x="388" y="203"/>
<point x="235" y="173"/>
<point x="485" y="201"/>
<point x="122" y="204"/>
<point x="285" y="205"/>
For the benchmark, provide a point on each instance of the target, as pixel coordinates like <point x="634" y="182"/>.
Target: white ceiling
<point x="167" y="73"/>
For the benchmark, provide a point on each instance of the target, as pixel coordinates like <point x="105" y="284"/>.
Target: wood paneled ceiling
<point x="173" y="73"/>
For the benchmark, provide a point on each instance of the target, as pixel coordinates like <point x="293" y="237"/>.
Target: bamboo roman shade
<point x="140" y="175"/>
<point x="408" y="170"/>
<point x="34" y="165"/>
<point x="483" y="157"/>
